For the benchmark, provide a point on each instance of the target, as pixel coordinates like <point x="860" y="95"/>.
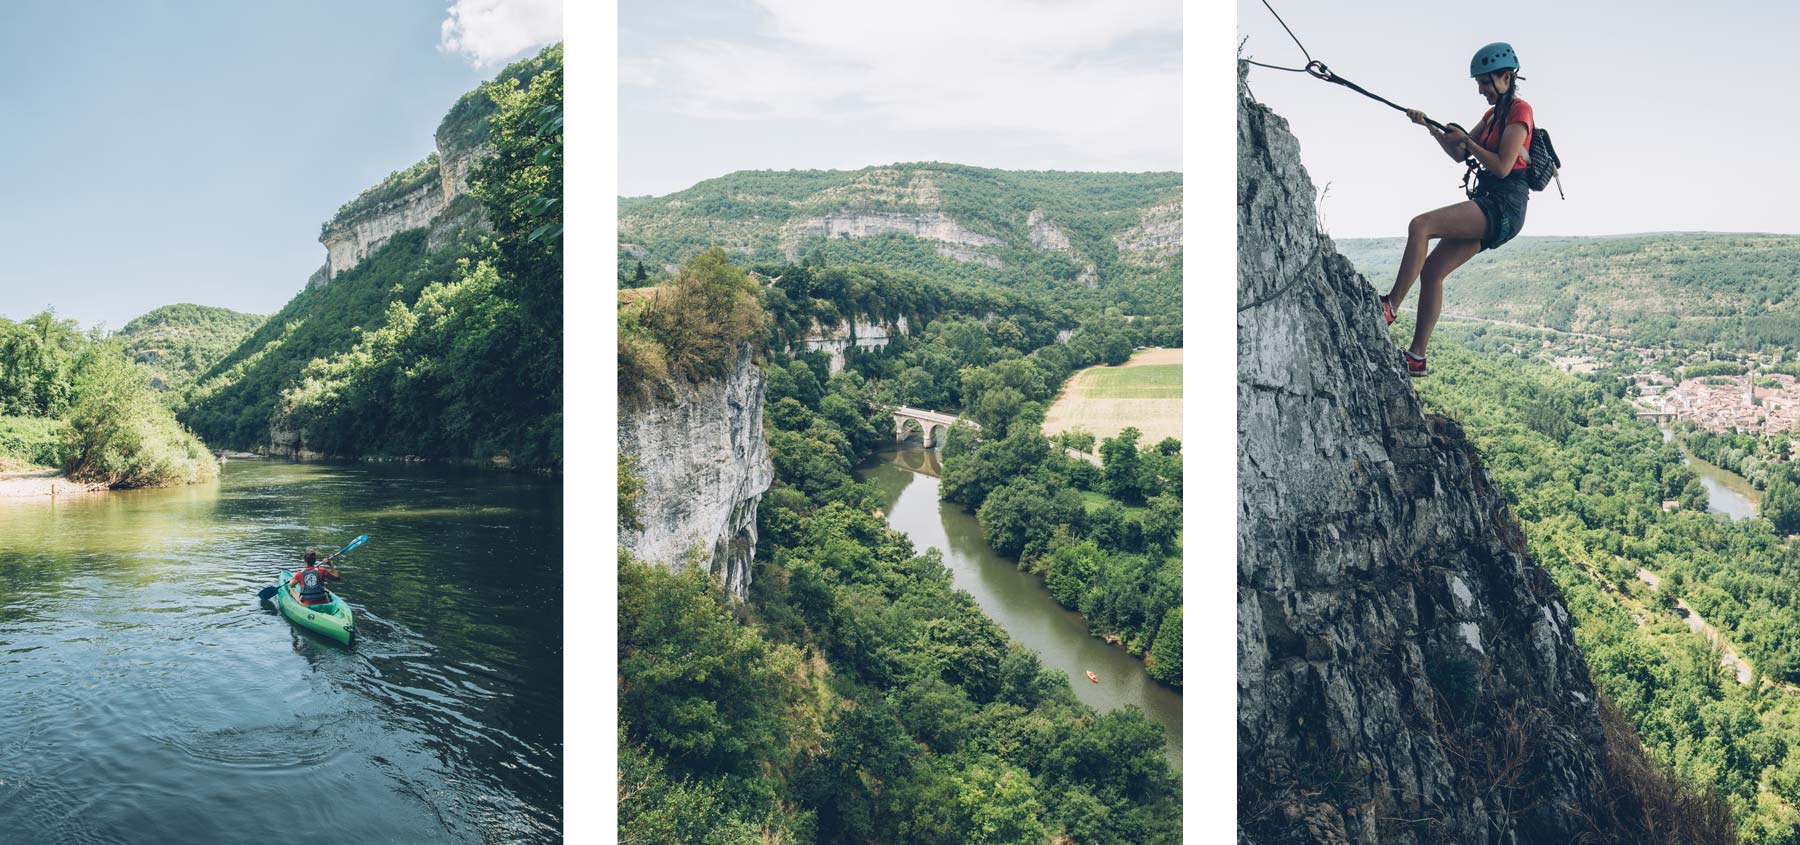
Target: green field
<point x="1152" y="381"/>
<point x="1095" y="501"/>
<point x="1144" y="393"/>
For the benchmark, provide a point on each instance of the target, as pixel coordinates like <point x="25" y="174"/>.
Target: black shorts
<point x="1503" y="202"/>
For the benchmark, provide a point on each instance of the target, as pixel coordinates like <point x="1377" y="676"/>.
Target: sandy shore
<point x="42" y="482"/>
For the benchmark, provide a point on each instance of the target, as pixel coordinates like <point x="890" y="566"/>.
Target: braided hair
<point x="1503" y="109"/>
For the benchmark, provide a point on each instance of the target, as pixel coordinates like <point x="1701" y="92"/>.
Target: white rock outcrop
<point x="350" y="238"/>
<point x="1046" y="234"/>
<point x="701" y="453"/>
<point x="1156" y="236"/>
<point x="859" y="333"/>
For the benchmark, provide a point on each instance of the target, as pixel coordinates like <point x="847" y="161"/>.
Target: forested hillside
<point x="444" y="342"/>
<point x="1738" y="290"/>
<point x="176" y="343"/>
<point x="1586" y="481"/>
<point x="857" y="695"/>
<point x="1112" y="238"/>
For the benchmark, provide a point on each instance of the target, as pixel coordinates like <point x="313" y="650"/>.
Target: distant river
<point x="1016" y="600"/>
<point x="146" y="696"/>
<point x="1726" y="491"/>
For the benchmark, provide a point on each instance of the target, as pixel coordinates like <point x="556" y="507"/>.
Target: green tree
<point x="1121" y="467"/>
<point x="1164" y="660"/>
<point x="1781" y="503"/>
<point x="119" y="434"/>
<point x="695" y="684"/>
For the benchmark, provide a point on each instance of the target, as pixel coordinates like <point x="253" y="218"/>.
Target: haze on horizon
<point x="166" y="153"/>
<point x="710" y="88"/>
<point x="1664" y="114"/>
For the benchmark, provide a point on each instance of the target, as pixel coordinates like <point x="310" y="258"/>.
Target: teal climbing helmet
<point x="1496" y="56"/>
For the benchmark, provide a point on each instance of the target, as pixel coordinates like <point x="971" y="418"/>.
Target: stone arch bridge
<point x="931" y="425"/>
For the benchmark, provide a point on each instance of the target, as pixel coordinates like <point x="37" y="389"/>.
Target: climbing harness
<point x="1538" y="175"/>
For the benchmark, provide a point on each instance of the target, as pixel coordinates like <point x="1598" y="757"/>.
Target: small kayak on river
<point x="1093" y="677"/>
<point x="332" y="619"/>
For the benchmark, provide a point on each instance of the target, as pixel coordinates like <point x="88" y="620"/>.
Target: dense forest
<point x="72" y="400"/>
<point x="447" y="350"/>
<point x="176" y="343"/>
<point x="760" y="217"/>
<point x="1737" y="291"/>
<point x="1586" y="479"/>
<point x="857" y="696"/>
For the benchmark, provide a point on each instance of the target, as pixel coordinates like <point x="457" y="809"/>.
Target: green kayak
<point x="332" y="619"/>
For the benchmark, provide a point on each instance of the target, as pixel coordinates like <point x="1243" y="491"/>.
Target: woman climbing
<point x="1495" y="210"/>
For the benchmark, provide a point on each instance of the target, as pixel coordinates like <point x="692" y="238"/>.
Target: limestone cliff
<point x="954" y="239"/>
<point x="860" y="332"/>
<point x="415" y="198"/>
<point x="1406" y="672"/>
<point x="701" y="453"/>
<point x="1155" y="238"/>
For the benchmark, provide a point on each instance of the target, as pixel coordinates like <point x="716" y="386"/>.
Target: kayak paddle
<point x="268" y="593"/>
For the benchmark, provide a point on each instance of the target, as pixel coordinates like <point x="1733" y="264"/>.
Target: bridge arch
<point x="931" y="425"/>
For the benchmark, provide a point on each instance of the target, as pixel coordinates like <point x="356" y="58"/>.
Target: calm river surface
<point x="1726" y="491"/>
<point x="1016" y="600"/>
<point x="146" y="696"/>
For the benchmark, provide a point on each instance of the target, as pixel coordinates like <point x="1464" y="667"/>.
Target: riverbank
<point x="1017" y="600"/>
<point x="33" y="482"/>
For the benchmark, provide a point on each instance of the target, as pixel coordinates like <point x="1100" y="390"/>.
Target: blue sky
<point x="163" y="152"/>
<point x="707" y="87"/>
<point x="1668" y="116"/>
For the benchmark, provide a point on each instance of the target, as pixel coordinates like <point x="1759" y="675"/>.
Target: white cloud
<point x="491" y="31"/>
<point x="1060" y="71"/>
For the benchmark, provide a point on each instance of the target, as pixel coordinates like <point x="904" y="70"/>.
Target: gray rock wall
<point x="1406" y="673"/>
<point x="705" y="464"/>
<point x="859" y="333"/>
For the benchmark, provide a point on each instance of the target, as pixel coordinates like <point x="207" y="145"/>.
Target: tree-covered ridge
<point x="763" y="216"/>
<point x="176" y="343"/>
<point x="465" y="126"/>
<point x="453" y="352"/>
<point x="1586" y="480"/>
<point x="1740" y="291"/>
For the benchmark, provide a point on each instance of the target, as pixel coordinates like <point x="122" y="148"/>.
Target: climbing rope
<point x="1317" y="70"/>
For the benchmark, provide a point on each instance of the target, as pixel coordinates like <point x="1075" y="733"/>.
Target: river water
<point x="1726" y="491"/>
<point x="1016" y="600"/>
<point x="146" y="695"/>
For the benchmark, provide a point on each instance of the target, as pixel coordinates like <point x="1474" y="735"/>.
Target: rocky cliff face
<point x="858" y="333"/>
<point x="955" y="240"/>
<point x="1406" y="673"/>
<point x="351" y="238"/>
<point x="705" y="464"/>
<point x="355" y="235"/>
<point x="1045" y="234"/>
<point x="1156" y="237"/>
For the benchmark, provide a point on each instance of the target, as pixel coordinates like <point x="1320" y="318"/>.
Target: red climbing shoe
<point x="1387" y="310"/>
<point x="1415" y="366"/>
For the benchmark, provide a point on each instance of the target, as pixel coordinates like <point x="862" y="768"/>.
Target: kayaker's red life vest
<point x="312" y="586"/>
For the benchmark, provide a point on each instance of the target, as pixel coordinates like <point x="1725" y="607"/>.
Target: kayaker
<point x="1501" y="145"/>
<point x="311" y="580"/>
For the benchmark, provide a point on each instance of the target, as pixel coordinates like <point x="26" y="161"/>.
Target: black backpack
<point x="1541" y="167"/>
